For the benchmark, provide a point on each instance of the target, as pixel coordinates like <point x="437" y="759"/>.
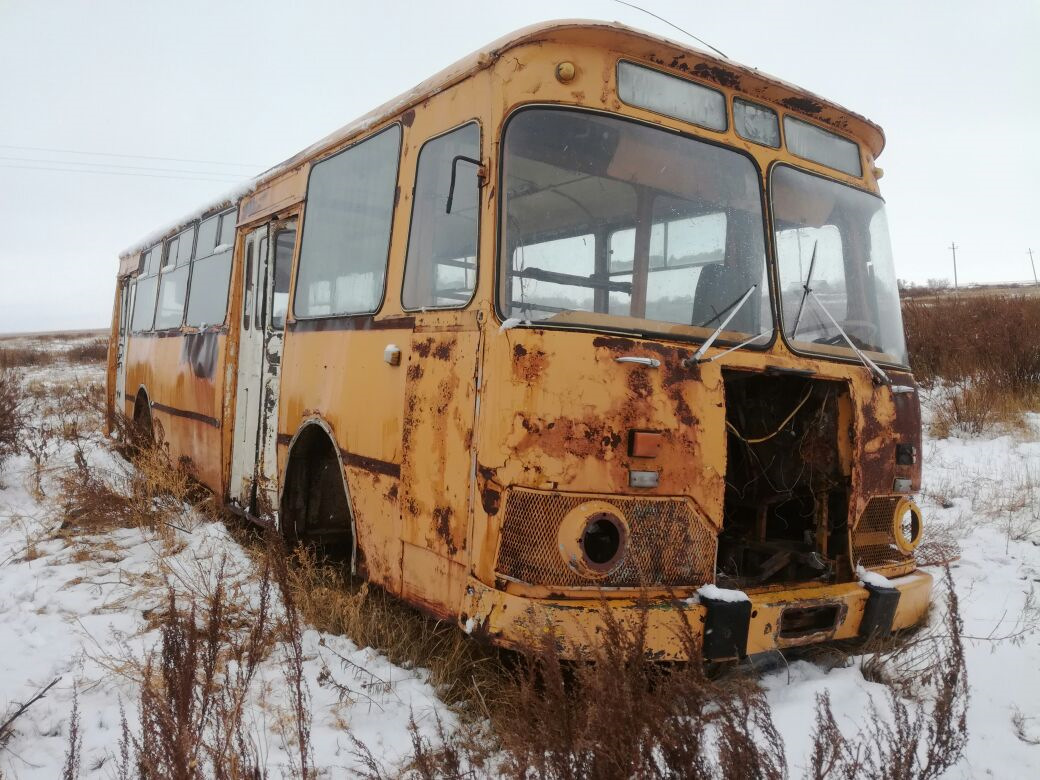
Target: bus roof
<point x="665" y="52"/>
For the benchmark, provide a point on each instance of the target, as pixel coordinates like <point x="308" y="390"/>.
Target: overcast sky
<point x="226" y="89"/>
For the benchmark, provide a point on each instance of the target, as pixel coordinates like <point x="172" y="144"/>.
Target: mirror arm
<point x="481" y="175"/>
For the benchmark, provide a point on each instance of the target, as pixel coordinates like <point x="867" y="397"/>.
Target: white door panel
<point x="254" y="464"/>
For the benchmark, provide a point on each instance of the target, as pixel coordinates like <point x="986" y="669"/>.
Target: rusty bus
<point x="589" y="317"/>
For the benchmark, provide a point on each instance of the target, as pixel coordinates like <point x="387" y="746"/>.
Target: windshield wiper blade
<point x="807" y="289"/>
<point x="756" y="337"/>
<point x="874" y="368"/>
<point x="699" y="354"/>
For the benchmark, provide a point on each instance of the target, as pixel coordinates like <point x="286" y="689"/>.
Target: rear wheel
<point x="315" y="509"/>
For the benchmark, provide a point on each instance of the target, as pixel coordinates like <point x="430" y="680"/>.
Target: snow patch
<point x="715" y="593"/>
<point x="873" y="578"/>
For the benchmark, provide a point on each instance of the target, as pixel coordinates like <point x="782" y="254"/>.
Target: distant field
<point x="1016" y="290"/>
<point x="55" y="334"/>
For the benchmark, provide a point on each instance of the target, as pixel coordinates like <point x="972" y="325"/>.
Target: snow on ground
<point x="72" y="615"/>
<point x="65" y="614"/>
<point x="974" y="491"/>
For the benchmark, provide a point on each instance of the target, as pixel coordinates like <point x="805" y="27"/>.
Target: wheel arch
<point x="310" y="428"/>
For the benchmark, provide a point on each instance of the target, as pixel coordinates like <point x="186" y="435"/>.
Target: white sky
<point x="954" y="84"/>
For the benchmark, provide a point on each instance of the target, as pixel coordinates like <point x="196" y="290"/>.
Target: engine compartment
<point x="788" y="478"/>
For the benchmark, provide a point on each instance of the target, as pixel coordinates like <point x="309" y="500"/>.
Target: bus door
<point x="126" y="290"/>
<point x="267" y="258"/>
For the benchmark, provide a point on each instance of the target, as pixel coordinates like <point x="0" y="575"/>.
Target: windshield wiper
<point x="874" y="368"/>
<point x="807" y="289"/>
<point x="699" y="354"/>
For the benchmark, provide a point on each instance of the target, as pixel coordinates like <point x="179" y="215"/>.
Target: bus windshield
<point x="835" y="263"/>
<point x="613" y="224"/>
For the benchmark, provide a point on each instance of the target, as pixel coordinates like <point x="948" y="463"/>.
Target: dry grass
<point x="25" y="357"/>
<point x="197" y="687"/>
<point x="95" y="351"/>
<point x="621" y="716"/>
<point x="466" y="673"/>
<point x="12" y="414"/>
<point x="982" y="349"/>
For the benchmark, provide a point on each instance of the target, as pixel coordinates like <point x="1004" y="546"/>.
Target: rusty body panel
<point x="470" y="450"/>
<point x="182" y="375"/>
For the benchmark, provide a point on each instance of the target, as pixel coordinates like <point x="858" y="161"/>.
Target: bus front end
<point x="695" y="405"/>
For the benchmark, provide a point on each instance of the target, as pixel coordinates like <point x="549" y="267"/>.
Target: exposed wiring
<point x="782" y="425"/>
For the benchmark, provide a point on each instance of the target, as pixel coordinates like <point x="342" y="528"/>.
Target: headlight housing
<point x="593" y="538"/>
<point x="907" y="525"/>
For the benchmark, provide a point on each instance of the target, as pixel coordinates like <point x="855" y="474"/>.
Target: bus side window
<point x="146" y="285"/>
<point x="346" y="229"/>
<point x="247" y="302"/>
<point x="441" y="265"/>
<point x="261" y="286"/>
<point x="211" y="272"/>
<point x="284" y="244"/>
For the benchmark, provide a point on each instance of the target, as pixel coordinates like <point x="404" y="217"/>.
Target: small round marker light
<point x="565" y="72"/>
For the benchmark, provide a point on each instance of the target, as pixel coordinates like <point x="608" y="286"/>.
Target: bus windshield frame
<point x="833" y="252"/>
<point x="621" y="218"/>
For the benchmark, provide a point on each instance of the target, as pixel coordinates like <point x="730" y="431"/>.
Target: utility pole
<point x="953" y="248"/>
<point x="1035" y="281"/>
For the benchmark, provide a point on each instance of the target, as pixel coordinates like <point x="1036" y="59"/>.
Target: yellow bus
<point x="590" y="317"/>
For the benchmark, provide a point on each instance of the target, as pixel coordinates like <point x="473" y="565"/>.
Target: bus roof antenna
<point x="677" y="27"/>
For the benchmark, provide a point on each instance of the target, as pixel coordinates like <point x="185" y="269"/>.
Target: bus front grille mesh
<point x="873" y="543"/>
<point x="669" y="545"/>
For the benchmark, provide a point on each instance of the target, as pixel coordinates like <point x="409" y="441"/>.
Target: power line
<point x="133" y="156"/>
<point x="122" y="173"/>
<point x="114" y="165"/>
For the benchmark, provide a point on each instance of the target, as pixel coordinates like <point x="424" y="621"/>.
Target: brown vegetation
<point x="197" y="686"/>
<point x="12" y="414"/>
<point x="95" y="351"/>
<point x="984" y="350"/>
<point x="24" y="357"/>
<point x="622" y="716"/>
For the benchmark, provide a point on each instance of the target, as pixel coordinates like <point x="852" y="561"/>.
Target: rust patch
<point x="422" y="348"/>
<point x="639" y="384"/>
<point x="491" y="500"/>
<point x="721" y="76"/>
<point x="875" y="450"/>
<point x="612" y="343"/>
<point x="805" y="105"/>
<point x="528" y="365"/>
<point x="591" y="437"/>
<point x="442" y="524"/>
<point x="415" y="372"/>
<point x="391" y="494"/>
<point x="444" y="350"/>
<point x="408" y="117"/>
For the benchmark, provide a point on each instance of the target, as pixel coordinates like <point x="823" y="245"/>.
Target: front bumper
<point x="778" y="618"/>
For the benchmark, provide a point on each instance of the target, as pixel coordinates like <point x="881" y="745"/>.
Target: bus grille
<point x="668" y="543"/>
<point x="873" y="545"/>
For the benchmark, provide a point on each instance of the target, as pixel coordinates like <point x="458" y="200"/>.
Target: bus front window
<point x="832" y="239"/>
<point x="610" y="223"/>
